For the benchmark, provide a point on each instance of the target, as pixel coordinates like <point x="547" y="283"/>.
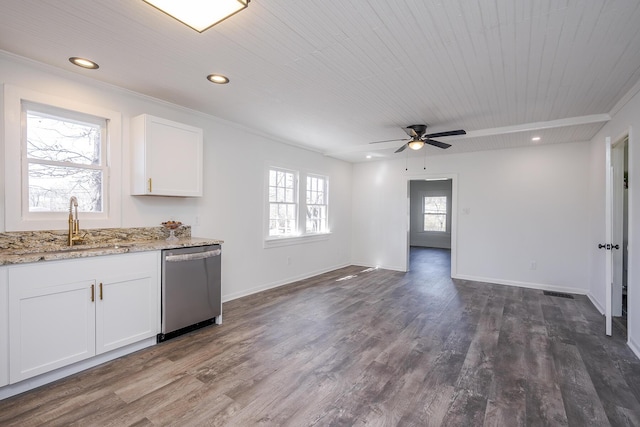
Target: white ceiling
<point x="335" y="75"/>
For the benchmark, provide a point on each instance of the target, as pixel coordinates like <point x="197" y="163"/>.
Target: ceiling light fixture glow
<point x="84" y="63"/>
<point x="535" y="138"/>
<point x="199" y="14"/>
<point x="416" y="144"/>
<point x="218" y="79"/>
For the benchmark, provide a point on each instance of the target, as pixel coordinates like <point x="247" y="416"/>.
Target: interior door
<point x="617" y="229"/>
<point x="608" y="235"/>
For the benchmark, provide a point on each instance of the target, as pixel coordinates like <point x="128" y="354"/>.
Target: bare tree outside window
<point x="435" y="213"/>
<point x="64" y="157"/>
<point x="316" y="221"/>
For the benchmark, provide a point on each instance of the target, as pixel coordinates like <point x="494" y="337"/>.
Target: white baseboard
<point x="596" y="303"/>
<point x="49" y="377"/>
<point x="519" y="284"/>
<point x="634" y="347"/>
<point x="273" y="285"/>
<point x="383" y="267"/>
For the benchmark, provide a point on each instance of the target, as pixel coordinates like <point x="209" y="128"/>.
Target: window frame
<point x="68" y="116"/>
<point x="425" y="213"/>
<point x="17" y="215"/>
<point x="296" y="203"/>
<point x="325" y="191"/>
<point x="302" y="236"/>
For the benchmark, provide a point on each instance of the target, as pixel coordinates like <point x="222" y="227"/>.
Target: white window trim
<point x="448" y="214"/>
<point x="276" y="242"/>
<point x="302" y="237"/>
<point x="296" y="176"/>
<point x="13" y="195"/>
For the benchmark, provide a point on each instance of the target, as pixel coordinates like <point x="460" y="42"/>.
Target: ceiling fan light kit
<point x="415" y="144"/>
<point x="199" y="14"/>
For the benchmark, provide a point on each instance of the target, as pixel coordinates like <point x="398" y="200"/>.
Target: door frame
<point x="454" y="215"/>
<point x="610" y="198"/>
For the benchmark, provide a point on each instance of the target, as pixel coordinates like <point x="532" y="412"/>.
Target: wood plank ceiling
<point x="334" y="76"/>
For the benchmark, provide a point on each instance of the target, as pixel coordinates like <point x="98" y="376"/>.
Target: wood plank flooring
<point x="355" y="347"/>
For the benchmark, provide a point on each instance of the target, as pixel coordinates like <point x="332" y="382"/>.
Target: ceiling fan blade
<point x="436" y="143"/>
<point x="401" y="149"/>
<point x="388" y="140"/>
<point x="449" y="133"/>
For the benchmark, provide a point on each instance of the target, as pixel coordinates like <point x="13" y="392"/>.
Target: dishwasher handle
<point x="193" y="256"/>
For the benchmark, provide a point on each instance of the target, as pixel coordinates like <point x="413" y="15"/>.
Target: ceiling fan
<point x="418" y="138"/>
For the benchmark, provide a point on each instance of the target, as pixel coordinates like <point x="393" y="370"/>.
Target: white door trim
<point x="454" y="215"/>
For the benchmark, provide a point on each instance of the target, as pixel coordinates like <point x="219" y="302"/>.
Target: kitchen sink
<point x="78" y="248"/>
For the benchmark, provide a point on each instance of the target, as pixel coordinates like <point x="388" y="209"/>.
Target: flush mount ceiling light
<point x="84" y="63"/>
<point x="416" y="144"/>
<point x="199" y="14"/>
<point x="218" y="79"/>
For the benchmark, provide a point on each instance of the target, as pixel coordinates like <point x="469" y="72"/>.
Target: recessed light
<point x="535" y="138"/>
<point x="218" y="79"/>
<point x="84" y="63"/>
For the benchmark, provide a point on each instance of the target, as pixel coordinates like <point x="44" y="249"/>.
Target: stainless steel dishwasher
<point x="191" y="289"/>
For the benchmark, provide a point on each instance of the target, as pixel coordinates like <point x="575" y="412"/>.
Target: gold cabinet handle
<point x="150" y="187"/>
<point x="100" y="291"/>
<point x="93" y="293"/>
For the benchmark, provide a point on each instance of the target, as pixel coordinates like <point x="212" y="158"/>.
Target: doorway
<point x="431" y="221"/>
<point x="430" y="213"/>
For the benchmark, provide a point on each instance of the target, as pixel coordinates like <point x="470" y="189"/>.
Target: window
<point x="56" y="148"/>
<point x="316" y="204"/>
<point x="65" y="157"/>
<point x="435" y="213"/>
<point x="297" y="206"/>
<point x="283" y="205"/>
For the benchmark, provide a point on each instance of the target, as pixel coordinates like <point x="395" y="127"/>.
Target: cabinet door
<point x="127" y="310"/>
<point x="167" y="158"/>
<point x="51" y="325"/>
<point x="4" y="328"/>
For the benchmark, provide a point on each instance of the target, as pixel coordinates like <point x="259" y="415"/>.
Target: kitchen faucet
<point x="74" y="222"/>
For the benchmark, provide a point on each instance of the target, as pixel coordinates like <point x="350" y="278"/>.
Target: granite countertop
<point x="9" y="257"/>
<point x="21" y="249"/>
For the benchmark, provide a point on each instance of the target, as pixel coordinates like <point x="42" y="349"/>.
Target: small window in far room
<point x="435" y="213"/>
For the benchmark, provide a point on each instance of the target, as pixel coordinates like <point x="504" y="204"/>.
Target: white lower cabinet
<point x="127" y="310"/>
<point x="4" y="328"/>
<point x="62" y="312"/>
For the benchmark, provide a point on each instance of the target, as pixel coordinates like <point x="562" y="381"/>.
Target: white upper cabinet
<point x="166" y="158"/>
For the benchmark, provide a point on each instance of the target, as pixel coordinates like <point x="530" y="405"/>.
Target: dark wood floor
<point x="356" y="347"/>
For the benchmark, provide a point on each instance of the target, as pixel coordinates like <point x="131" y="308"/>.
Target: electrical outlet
<point x="533" y="265"/>
<point x="196" y="220"/>
<point x="288" y="260"/>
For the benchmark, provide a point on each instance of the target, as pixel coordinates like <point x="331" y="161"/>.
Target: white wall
<point x="524" y="205"/>
<point x="626" y="119"/>
<point x="232" y="208"/>
<point x="419" y="189"/>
